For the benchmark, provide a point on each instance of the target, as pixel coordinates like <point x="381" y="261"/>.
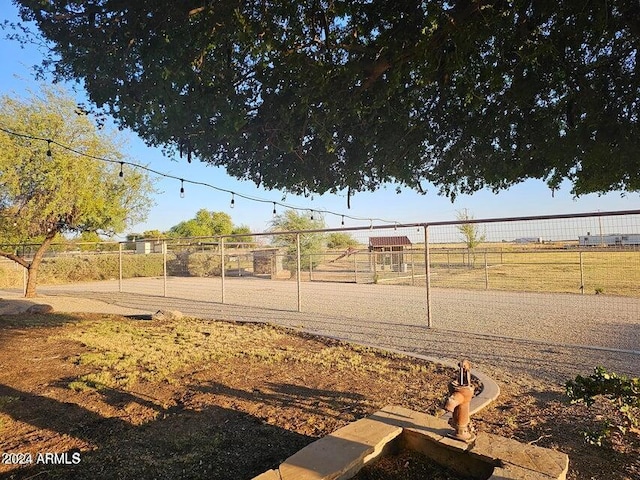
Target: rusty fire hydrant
<point x="461" y="392"/>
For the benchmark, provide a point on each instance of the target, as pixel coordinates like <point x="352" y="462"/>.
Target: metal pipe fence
<point x="390" y="272"/>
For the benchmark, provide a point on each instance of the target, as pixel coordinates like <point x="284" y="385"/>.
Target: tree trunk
<point x="32" y="269"/>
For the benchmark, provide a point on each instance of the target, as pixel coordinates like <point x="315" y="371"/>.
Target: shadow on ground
<point x="180" y="443"/>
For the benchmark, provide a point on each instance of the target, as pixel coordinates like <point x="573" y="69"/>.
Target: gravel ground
<point x="552" y="337"/>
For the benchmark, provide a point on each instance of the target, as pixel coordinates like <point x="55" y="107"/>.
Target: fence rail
<point x="407" y="267"/>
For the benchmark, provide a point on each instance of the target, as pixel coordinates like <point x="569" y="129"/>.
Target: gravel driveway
<point x="551" y="337"/>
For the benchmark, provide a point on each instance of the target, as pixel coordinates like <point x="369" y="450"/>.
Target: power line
<point x="184" y="181"/>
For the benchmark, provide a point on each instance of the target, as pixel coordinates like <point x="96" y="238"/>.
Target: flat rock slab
<point x="341" y="454"/>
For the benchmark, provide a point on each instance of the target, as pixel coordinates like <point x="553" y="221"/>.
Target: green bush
<point x="86" y="268"/>
<point x="149" y="265"/>
<point x="204" y="265"/>
<point x="621" y="392"/>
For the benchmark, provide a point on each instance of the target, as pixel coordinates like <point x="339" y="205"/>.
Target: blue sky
<point x="529" y="198"/>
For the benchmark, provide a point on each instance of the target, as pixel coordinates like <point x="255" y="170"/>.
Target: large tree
<point x="206" y="223"/>
<point x="323" y="95"/>
<point x="47" y="190"/>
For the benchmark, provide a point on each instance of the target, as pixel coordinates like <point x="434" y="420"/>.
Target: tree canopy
<point x="46" y="190"/>
<point x="326" y="95"/>
<point x="205" y="224"/>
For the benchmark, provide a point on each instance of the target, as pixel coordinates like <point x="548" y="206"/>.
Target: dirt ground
<point x="105" y="396"/>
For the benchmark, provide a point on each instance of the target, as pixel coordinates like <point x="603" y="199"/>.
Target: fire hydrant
<point x="461" y="393"/>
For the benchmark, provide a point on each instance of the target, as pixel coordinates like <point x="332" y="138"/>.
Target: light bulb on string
<point x="49" y="154"/>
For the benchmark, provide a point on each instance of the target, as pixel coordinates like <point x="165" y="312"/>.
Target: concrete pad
<point x="549" y="462"/>
<point x="340" y="454"/>
<point x="428" y="425"/>
<point x="512" y="472"/>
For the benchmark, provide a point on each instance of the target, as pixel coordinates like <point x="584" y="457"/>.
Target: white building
<point x="147" y="246"/>
<point x="610" y="240"/>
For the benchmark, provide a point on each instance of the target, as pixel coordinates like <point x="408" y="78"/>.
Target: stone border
<point x="341" y="454"/>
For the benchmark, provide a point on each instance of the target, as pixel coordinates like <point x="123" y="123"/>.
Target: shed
<point x="149" y="246"/>
<point x="389" y="252"/>
<point x="267" y="261"/>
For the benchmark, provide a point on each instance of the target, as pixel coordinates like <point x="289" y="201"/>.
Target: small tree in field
<point x="341" y="240"/>
<point x="47" y="190"/>
<point x="310" y="243"/>
<point x="470" y="234"/>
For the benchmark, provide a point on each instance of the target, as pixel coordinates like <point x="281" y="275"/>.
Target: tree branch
<point x="16" y="258"/>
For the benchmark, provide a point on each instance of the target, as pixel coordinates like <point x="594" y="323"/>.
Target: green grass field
<point x="615" y="272"/>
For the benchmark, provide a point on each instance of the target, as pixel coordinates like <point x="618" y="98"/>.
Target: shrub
<point x="618" y="390"/>
<point x="204" y="265"/>
<point x="149" y="265"/>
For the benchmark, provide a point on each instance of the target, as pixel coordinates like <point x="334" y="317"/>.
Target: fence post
<point x="427" y="272"/>
<point x="310" y="268"/>
<point x="298" y="271"/>
<point x="164" y="267"/>
<point x="120" y="268"/>
<point x="222" y="265"/>
<point x="24" y="281"/>
<point x="355" y="266"/>
<point x="413" y="269"/>
<point x="581" y="275"/>
<point x="486" y="271"/>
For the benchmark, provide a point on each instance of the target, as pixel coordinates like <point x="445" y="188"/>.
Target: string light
<point x="182" y="180"/>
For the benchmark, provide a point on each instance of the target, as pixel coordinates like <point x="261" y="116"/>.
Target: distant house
<point x="528" y="240"/>
<point x="610" y="240"/>
<point x="149" y="246"/>
<point x="389" y="252"/>
<point x="268" y="261"/>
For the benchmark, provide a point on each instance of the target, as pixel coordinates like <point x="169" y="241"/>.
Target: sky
<point x="532" y="197"/>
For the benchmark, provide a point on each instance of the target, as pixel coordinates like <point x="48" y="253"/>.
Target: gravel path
<point x="552" y="337"/>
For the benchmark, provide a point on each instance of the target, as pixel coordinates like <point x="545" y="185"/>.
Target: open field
<point x="496" y="267"/>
